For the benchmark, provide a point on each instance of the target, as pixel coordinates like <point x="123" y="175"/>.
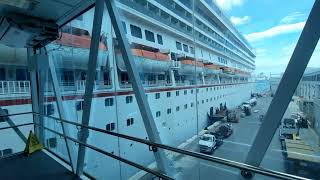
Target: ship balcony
<point x="22" y="88"/>
<point x="14" y="88"/>
<point x="149" y="84"/>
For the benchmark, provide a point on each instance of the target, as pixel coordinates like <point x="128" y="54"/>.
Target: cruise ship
<point x="191" y="59"/>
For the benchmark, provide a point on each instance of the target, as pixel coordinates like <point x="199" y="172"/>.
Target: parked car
<point x="207" y="143"/>
<point x="224" y="131"/>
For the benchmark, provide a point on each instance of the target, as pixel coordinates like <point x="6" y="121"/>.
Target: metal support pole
<point x="61" y="112"/>
<point x="42" y="79"/>
<point x="295" y="69"/>
<point x="34" y="89"/>
<point x="91" y="72"/>
<point x="153" y="134"/>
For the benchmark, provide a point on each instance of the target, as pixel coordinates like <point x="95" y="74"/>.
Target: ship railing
<point x="159" y="83"/>
<point x="244" y="168"/>
<point x="14" y="87"/>
<point x="98" y="85"/>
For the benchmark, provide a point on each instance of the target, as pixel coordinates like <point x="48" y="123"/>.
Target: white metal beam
<point x="91" y="72"/>
<point x="289" y="82"/>
<point x="32" y="66"/>
<point x="153" y="133"/>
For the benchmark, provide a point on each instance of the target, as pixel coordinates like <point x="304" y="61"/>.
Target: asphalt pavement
<point x="235" y="148"/>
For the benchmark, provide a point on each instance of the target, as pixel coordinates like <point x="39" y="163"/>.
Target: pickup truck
<point x="207" y="143"/>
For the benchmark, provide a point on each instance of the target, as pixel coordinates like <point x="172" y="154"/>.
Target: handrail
<point x="15" y="114"/>
<point x="238" y="165"/>
<point x="154" y="172"/>
<point x="8" y="127"/>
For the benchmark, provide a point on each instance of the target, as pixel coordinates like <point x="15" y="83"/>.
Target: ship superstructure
<point x="190" y="59"/>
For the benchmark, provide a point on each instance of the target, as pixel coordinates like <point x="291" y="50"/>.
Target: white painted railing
<point x="14" y="87"/>
<point x="81" y="85"/>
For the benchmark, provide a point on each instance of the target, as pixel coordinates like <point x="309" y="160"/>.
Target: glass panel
<point x="205" y="91"/>
<point x="14" y="98"/>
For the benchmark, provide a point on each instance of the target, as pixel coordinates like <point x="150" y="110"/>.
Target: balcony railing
<point x="14" y="87"/>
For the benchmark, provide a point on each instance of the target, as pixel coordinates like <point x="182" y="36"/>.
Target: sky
<point x="272" y="27"/>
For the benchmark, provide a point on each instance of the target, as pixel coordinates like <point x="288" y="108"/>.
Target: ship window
<point x="135" y="31"/>
<point x="129" y="99"/>
<point x="110" y="126"/>
<point x="108" y="102"/>
<point x="185" y="106"/>
<point x="49" y="109"/>
<point x="210" y="99"/>
<point x="191" y="91"/>
<point x="191" y="104"/>
<point x="168" y="94"/>
<point x="158" y="114"/>
<point x="185" y="48"/>
<point x="177" y="93"/>
<point x="185" y="92"/>
<point x="149" y="35"/>
<point x="79" y="105"/>
<point x="207" y="89"/>
<point x="202" y="101"/>
<point x="157" y="95"/>
<point x="207" y="100"/>
<point x="21" y="74"/>
<point x="178" y="108"/>
<point x="192" y="50"/>
<point x="197" y="90"/>
<point x="2" y="74"/>
<point x="159" y="37"/>
<point x="169" y="111"/>
<point x="129" y="121"/>
<point x="178" y="45"/>
<point x="124" y="26"/>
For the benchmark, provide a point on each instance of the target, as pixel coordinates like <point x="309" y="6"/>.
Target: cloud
<point x="260" y="52"/>
<point x="293" y="17"/>
<point x="275" y="31"/>
<point x="239" y="20"/>
<point x="228" y="4"/>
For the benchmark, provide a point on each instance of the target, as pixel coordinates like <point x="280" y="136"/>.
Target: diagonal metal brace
<point x="151" y="128"/>
<point x="288" y="84"/>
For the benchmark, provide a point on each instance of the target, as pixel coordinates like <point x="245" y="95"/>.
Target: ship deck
<point x="39" y="165"/>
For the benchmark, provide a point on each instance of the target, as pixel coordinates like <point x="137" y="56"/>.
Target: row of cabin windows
<point x="185" y="92"/>
<point x="107" y="102"/>
<point x="129" y="99"/>
<point x="137" y="32"/>
<point x="179" y="46"/>
<point x="158" y="113"/>
<point x="21" y="74"/>
<point x="111" y="126"/>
